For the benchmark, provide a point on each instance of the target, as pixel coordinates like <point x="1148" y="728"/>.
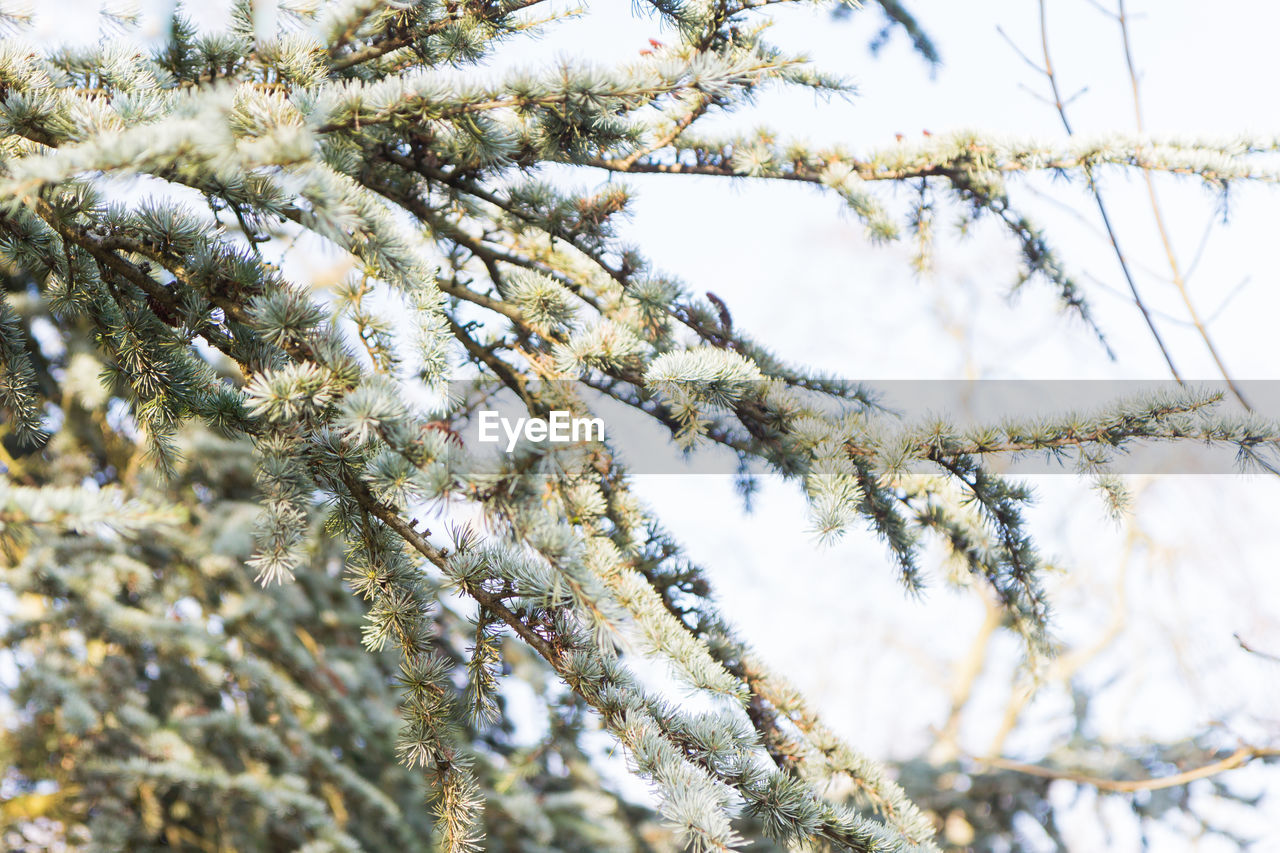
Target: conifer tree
<point x="233" y="628"/>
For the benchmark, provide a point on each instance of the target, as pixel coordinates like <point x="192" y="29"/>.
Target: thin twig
<point x="1239" y="758"/>
<point x="1158" y="213"/>
<point x="1253" y="650"/>
<point x="970" y="669"/>
<point x="678" y="127"/>
<point x="1230" y="297"/>
<point x="1097" y="195"/>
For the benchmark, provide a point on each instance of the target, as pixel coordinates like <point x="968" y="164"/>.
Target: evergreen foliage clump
<point x="233" y="628"/>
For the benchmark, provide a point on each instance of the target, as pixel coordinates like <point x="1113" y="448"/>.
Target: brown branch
<point x="1179" y="279"/>
<point x="970" y="668"/>
<point x="103" y="250"/>
<point x="405" y="36"/>
<point x="1239" y="758"/>
<point x="1097" y="196"/>
<point x="423" y="546"/>
<point x="1253" y="650"/>
<point x="1064" y="667"/>
<point x="869" y="169"/>
<point x="704" y="103"/>
<point x="648" y="94"/>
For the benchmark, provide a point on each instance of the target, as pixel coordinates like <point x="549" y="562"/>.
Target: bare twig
<point x="1061" y="107"/>
<point x="678" y="127"/>
<point x="968" y="672"/>
<point x="1065" y="667"/>
<point x="1253" y="650"/>
<point x="1179" y="279"/>
<point x="1239" y="758"/>
<point x="1229" y="298"/>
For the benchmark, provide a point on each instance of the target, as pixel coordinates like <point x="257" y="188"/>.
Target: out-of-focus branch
<point x="1179" y="279"/>
<point x="1239" y="758"/>
<point x="967" y="672"/>
<point x="1064" y="667"/>
<point x="1061" y="107"/>
<point x="1253" y="650"/>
